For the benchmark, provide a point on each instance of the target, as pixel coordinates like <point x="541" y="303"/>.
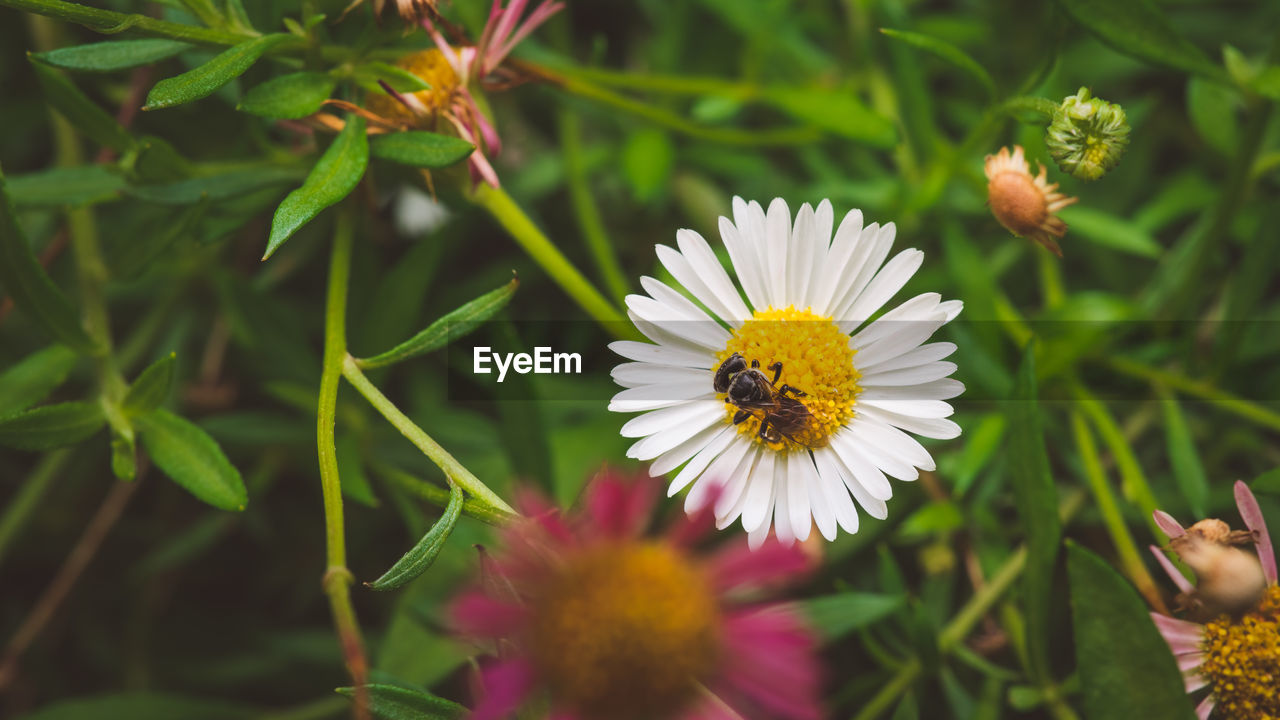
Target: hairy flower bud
<point x="1087" y="136"/>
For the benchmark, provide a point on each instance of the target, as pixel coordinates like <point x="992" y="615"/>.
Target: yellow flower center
<point x="625" y="630"/>
<point x="435" y="70"/>
<point x="816" y="359"/>
<point x="1242" y="662"/>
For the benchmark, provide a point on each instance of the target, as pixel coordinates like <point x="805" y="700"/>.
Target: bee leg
<point x="764" y="430"/>
<point x="776" y="367"/>
<point x="740" y="416"/>
<point x="788" y="389"/>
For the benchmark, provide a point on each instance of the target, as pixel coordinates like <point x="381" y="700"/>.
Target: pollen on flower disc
<point x="433" y="68"/>
<point x="625" y="631"/>
<point x="816" y="359"/>
<point x="1242" y="662"/>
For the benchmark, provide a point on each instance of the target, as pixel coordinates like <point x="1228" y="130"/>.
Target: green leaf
<point x="110" y="56"/>
<point x="1037" y="502"/>
<point x="835" y="616"/>
<point x="289" y="96"/>
<point x="448" y="328"/>
<point x="400" y="80"/>
<point x="51" y="426"/>
<point x="648" y="157"/>
<point x="392" y="702"/>
<point x="984" y="441"/>
<point x="1139" y="29"/>
<point x="931" y="519"/>
<point x="217" y="187"/>
<point x="124" y="457"/>
<point x="67" y="186"/>
<point x="30" y="287"/>
<point x="1126" y="669"/>
<point x="204" y="80"/>
<point x="1188" y="471"/>
<point x="1268" y="482"/>
<point x="947" y="52"/>
<point x="420" y="148"/>
<point x="142" y="706"/>
<point x="837" y="111"/>
<point x="80" y="111"/>
<point x="151" y="388"/>
<point x="33" y="377"/>
<point x="1103" y="228"/>
<point x="333" y="177"/>
<point x="420" y="556"/>
<point x="355" y="483"/>
<point x="1212" y="108"/>
<point x="192" y="459"/>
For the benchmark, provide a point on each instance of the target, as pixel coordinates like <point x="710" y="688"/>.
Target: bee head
<point x="732" y="365"/>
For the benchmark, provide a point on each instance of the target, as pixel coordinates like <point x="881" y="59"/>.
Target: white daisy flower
<point x="802" y="339"/>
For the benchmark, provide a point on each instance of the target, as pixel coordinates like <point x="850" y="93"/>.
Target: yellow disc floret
<point x="434" y="69"/>
<point x="816" y="359"/>
<point x="625" y="631"/>
<point x="1242" y="662"/>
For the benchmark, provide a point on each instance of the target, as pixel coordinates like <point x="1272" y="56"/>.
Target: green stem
<point x="1112" y="518"/>
<point x="545" y="253"/>
<point x="1197" y="388"/>
<point x="584" y="206"/>
<point x="898" y="684"/>
<point x="453" y="469"/>
<point x="439" y="496"/>
<point x="1132" y="479"/>
<point x="337" y="579"/>
<point x="107" y="21"/>
<point x="17" y="511"/>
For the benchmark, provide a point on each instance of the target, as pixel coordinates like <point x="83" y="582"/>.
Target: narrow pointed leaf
<point x="192" y="459"/>
<point x="1126" y="669"/>
<point x="51" y="426"/>
<point x="838" y="615"/>
<point x="448" y="328"/>
<point x="30" y="287"/>
<point x="289" y="96"/>
<point x="392" y="702"/>
<point x="837" y="111"/>
<point x="204" y="80"/>
<point x="33" y="377"/>
<point x="66" y="186"/>
<point x="1138" y="28"/>
<point x="80" y="111"/>
<point x="947" y="52"/>
<point x="110" y="56"/>
<point x="419" y="558"/>
<point x="334" y="176"/>
<point x="1037" y="503"/>
<point x="232" y="183"/>
<point x="1188" y="471"/>
<point x="1103" y="228"/>
<point x="420" y="149"/>
<point x="400" y="80"/>
<point x="151" y="388"/>
<point x="351" y="474"/>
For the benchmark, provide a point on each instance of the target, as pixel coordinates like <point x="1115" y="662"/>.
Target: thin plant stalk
<point x="1224" y="400"/>
<point x="584" y="207"/>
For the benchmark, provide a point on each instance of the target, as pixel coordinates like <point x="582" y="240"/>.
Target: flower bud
<point x="1087" y="136"/>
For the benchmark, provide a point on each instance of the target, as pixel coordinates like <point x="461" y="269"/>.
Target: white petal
<point x="907" y="335"/>
<point x="759" y="493"/>
<point x="717" y="474"/>
<point x="800" y="260"/>
<point x="921" y="307"/>
<point x="876" y="431"/>
<point x="675" y="322"/>
<point x="952" y="308"/>
<point x="888" y="456"/>
<point x="777" y="234"/>
<point x="824" y="515"/>
<point x="744" y="237"/>
<point x="700" y="461"/>
<point x="663" y="355"/>
<point x="669" y="296"/>
<point x="756" y="538"/>
<point x="937" y="428"/>
<point x="872" y="248"/>
<point x="943" y="389"/>
<point x="665" y="440"/>
<point x="652" y="397"/>
<point x="635" y="374"/>
<point x="884" y="286"/>
<point x="874" y="506"/>
<point x="730" y="503"/>
<point x="798" y="494"/>
<point x="917" y="375"/>
<point x="782" y="500"/>
<point x="825" y="297"/>
<point x="681" y="453"/>
<point x="911" y="408"/>
<point x="861" y="469"/>
<point x="668" y="417"/>
<point x="837" y="493"/>
<point x="919" y="356"/>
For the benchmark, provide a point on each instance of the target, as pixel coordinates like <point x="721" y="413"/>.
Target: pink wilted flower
<point x="596" y="619"/>
<point x="455" y="74"/>
<point x="1236" y="651"/>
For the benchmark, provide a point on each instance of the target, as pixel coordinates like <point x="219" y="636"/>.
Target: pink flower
<point x="1237" y="653"/>
<point x="601" y="621"/>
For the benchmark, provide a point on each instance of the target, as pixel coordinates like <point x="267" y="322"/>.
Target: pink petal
<point x="504" y="686"/>
<point x="536" y="18"/>
<point x="1205" y="708"/>
<point x="1184" y="585"/>
<point x="1172" y="528"/>
<point x="1194" y="681"/>
<point x="479" y="615"/>
<point x="711" y="707"/>
<point x="1182" y="636"/>
<point x="1252" y="514"/>
<point x="739" y="567"/>
<point x="620" y="507"/>
<point x="1189" y="661"/>
<point x="771" y="663"/>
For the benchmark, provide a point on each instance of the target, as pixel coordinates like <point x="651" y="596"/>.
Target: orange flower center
<point x="1242" y="661"/>
<point x="434" y="69"/>
<point x="626" y="631"/>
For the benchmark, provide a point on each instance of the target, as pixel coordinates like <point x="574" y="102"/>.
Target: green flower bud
<point x="1087" y="136"/>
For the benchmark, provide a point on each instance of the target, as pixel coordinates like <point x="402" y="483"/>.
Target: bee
<point x="751" y="391"/>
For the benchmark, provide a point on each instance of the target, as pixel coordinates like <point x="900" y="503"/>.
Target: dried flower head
<point x="1024" y="204"/>
<point x="1087" y="135"/>
<point x="1236" y="653"/>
